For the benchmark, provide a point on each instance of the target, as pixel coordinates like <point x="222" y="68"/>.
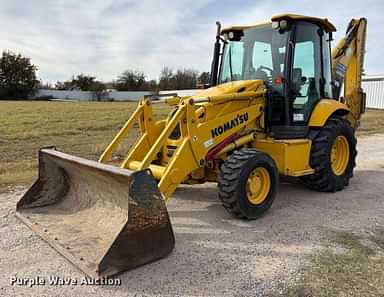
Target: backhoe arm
<point x="347" y="68"/>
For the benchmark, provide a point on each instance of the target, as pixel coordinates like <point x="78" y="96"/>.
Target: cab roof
<point x="322" y="22"/>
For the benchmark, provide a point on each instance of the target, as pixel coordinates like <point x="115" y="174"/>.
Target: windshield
<point x="258" y="54"/>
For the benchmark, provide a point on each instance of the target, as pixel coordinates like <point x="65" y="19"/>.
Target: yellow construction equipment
<point x="273" y="108"/>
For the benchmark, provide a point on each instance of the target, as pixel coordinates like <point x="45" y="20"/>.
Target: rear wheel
<point x="247" y="183"/>
<point x="333" y="156"/>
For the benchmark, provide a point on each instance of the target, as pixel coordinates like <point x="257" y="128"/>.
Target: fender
<point x="324" y="109"/>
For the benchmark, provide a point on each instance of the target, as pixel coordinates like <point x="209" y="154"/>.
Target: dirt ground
<point x="215" y="255"/>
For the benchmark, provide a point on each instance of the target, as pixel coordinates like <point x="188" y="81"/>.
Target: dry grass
<point x="372" y="122"/>
<point x="357" y="272"/>
<point x="80" y="128"/>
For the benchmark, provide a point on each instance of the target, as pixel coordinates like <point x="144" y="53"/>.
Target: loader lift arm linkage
<point x="192" y="152"/>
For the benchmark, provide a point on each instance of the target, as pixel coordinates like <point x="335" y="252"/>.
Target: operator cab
<point x="292" y="55"/>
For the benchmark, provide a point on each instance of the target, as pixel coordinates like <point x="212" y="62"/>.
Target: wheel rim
<point x="258" y="185"/>
<point x="340" y="155"/>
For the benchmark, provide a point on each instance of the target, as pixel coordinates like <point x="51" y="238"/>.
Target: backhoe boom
<point x="347" y="68"/>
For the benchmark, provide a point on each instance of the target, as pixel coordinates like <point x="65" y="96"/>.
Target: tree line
<point x="132" y="80"/>
<point x="18" y="80"/>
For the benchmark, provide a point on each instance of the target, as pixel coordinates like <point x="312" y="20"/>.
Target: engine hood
<point x="232" y="87"/>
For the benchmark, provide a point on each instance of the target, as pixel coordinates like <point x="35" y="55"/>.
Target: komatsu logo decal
<point x="240" y="119"/>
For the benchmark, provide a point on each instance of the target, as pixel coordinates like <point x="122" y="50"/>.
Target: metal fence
<point x="374" y="88"/>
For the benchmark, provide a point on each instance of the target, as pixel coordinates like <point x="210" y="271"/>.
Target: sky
<point x="105" y="37"/>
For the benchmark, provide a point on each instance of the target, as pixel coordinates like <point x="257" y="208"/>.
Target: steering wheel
<point x="261" y="67"/>
<point x="270" y="70"/>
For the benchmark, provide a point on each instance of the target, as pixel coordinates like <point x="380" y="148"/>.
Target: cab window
<point x="234" y="59"/>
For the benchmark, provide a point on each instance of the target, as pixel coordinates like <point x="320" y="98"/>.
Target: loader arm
<point x="347" y="68"/>
<point x="198" y="143"/>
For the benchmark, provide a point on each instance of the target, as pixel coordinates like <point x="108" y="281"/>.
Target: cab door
<point x="310" y="73"/>
<point x="307" y="79"/>
<point x="306" y="72"/>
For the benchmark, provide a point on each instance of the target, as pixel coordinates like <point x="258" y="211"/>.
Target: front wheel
<point x="333" y="157"/>
<point x="247" y="183"/>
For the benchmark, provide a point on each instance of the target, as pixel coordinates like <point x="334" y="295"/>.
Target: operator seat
<point x="297" y="81"/>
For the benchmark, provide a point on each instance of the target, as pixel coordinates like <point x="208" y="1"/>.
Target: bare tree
<point x="131" y="80"/>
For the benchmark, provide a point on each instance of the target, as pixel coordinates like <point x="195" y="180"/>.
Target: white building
<point x="373" y="86"/>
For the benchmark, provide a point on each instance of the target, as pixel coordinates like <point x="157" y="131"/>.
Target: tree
<point x="83" y="82"/>
<point x="17" y="76"/>
<point x="185" y="79"/>
<point x="153" y="86"/>
<point x="131" y="80"/>
<point x="98" y="90"/>
<point x="166" y="77"/>
<point x="66" y="85"/>
<point x="204" y="78"/>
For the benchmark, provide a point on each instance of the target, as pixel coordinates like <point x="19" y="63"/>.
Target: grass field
<point x="80" y="128"/>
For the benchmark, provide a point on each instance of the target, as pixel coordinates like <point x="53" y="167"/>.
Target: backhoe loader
<point x="273" y="108"/>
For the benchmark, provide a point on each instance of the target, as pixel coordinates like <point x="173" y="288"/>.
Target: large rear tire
<point x="247" y="183"/>
<point x="333" y="157"/>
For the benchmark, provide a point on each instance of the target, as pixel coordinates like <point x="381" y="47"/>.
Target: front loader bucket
<point x="102" y="218"/>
